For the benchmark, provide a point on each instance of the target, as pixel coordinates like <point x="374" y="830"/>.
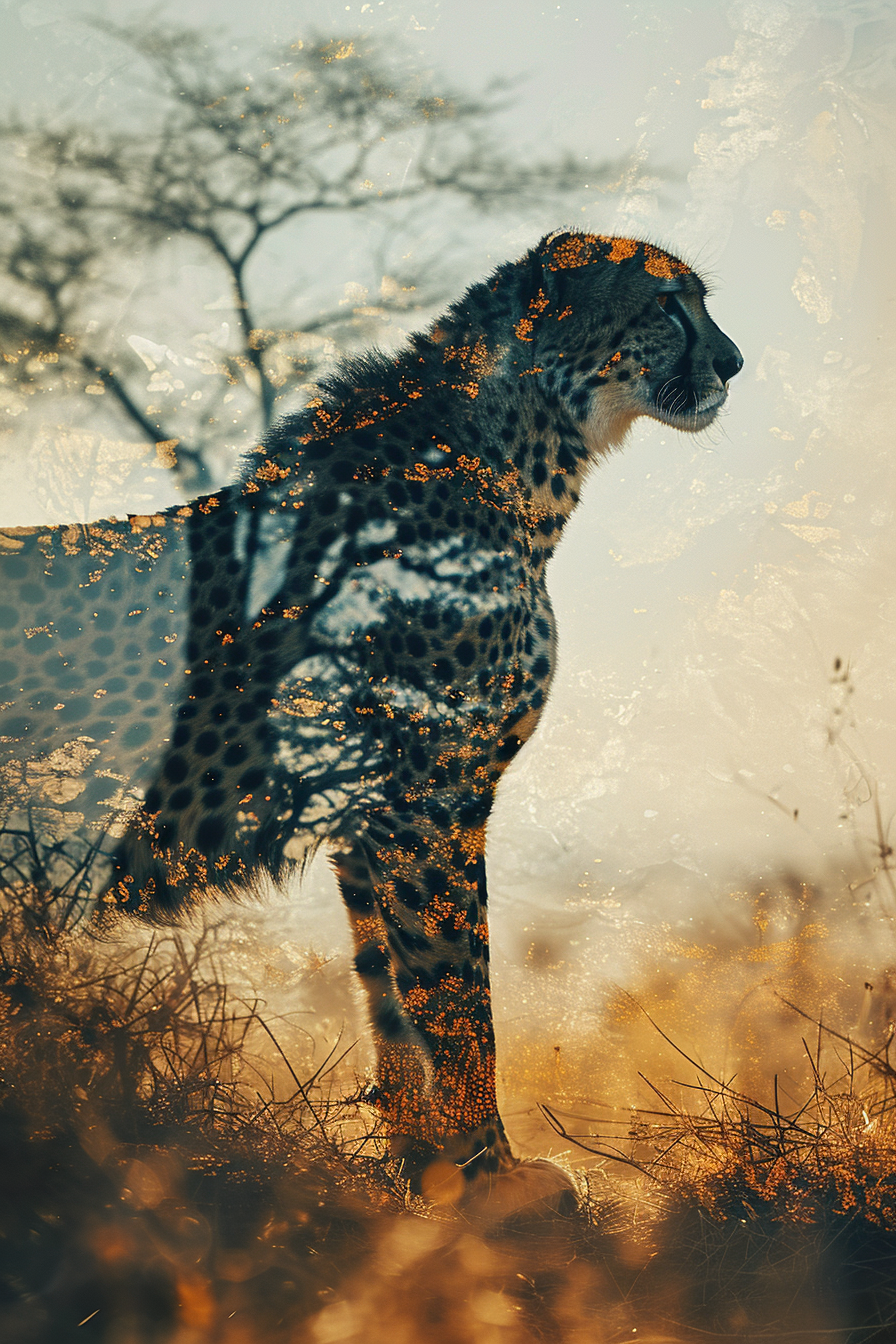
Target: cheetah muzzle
<point x="348" y="647"/>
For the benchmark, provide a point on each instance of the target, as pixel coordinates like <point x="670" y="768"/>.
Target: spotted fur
<point x="349" y="646"/>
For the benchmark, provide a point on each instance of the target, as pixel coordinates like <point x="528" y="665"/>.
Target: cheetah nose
<point x="729" y="363"/>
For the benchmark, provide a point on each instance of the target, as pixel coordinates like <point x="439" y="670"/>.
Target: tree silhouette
<point x="221" y="162"/>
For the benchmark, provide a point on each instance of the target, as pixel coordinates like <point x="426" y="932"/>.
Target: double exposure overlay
<point x="389" y="949"/>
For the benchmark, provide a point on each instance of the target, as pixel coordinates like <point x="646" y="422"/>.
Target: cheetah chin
<point x="346" y="648"/>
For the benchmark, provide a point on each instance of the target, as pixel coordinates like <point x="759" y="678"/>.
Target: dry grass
<point x="155" y="1169"/>
<point x="175" y="1171"/>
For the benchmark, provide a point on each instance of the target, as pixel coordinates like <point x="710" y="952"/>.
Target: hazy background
<point x="698" y="741"/>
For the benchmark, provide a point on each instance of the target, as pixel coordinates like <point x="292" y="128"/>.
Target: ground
<point x="175" y="1170"/>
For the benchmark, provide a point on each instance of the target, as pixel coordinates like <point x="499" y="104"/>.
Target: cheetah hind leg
<point x="435" y="1050"/>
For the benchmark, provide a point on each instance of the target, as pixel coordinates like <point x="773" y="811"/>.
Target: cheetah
<point x="348" y="647"/>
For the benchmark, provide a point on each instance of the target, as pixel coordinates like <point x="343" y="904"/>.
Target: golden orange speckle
<point x="661" y="265"/>
<point x="575" y="250"/>
<point x="420" y="472"/>
<point x="583" y="249"/>
<point x="271" y="471"/>
<point x="621" y="249"/>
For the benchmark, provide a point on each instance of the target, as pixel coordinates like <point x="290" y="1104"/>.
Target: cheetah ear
<point x="565" y="249"/>
<point x="549" y="239"/>
<point x="562" y="252"/>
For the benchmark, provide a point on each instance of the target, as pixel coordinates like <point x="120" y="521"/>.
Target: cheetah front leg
<point x="417" y="901"/>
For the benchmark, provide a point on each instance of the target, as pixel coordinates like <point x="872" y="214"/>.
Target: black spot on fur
<point x="210" y="832"/>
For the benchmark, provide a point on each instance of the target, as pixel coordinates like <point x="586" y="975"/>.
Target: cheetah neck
<point x="467" y="396"/>
<point x="504" y="422"/>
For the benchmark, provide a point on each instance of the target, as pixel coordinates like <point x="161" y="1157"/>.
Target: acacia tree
<point x="222" y="162"/>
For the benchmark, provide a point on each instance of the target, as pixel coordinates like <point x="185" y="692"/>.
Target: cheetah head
<point x="622" y="331"/>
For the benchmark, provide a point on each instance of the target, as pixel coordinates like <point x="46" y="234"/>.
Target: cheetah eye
<point x="673" y="310"/>
<point x="667" y="291"/>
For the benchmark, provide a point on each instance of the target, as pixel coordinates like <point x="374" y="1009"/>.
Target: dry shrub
<point x="763" y="1174"/>
<point x="153" y="1175"/>
<point x="173" y="1174"/>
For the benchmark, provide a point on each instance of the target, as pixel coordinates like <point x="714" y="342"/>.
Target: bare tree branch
<point x="220" y="161"/>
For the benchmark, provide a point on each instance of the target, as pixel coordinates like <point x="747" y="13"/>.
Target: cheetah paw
<point x="530" y="1190"/>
